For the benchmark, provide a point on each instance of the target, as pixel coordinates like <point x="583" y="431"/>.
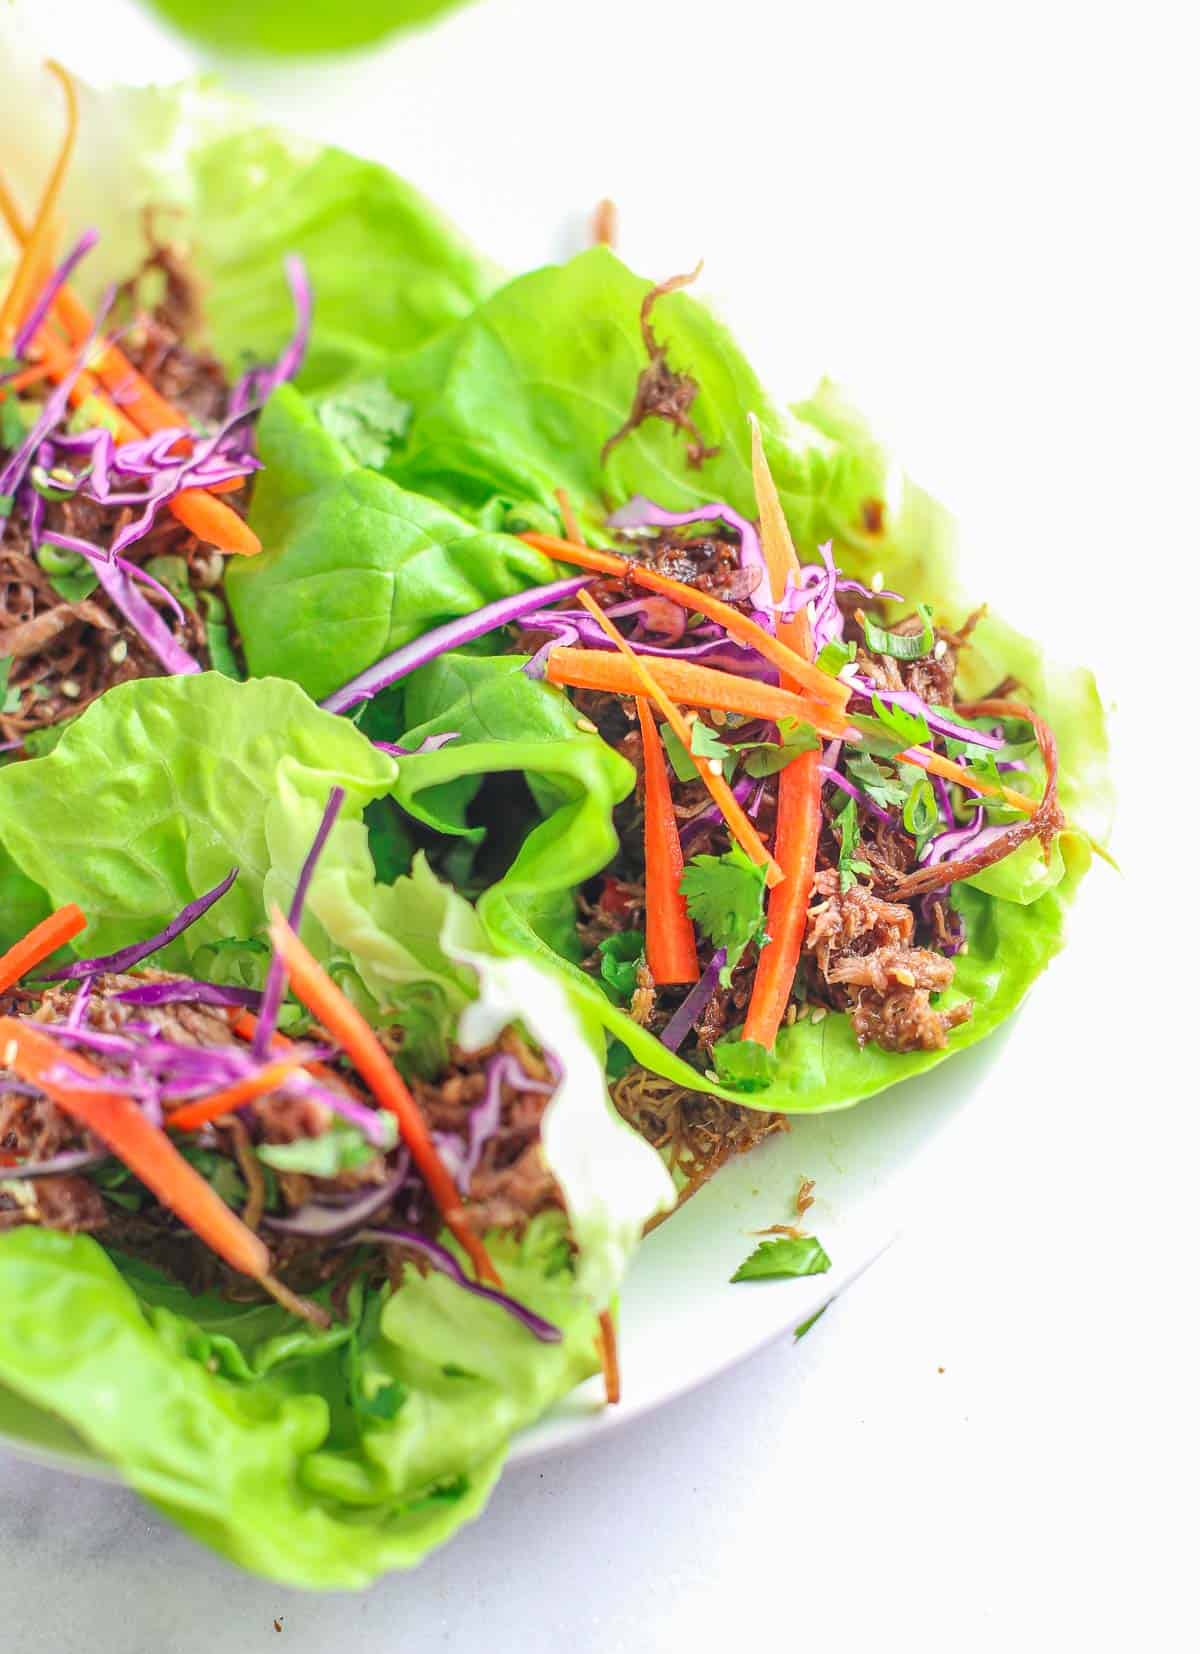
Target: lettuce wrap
<point x="261" y="1435"/>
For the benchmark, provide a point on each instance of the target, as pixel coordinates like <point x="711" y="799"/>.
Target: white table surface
<point x="979" y="221"/>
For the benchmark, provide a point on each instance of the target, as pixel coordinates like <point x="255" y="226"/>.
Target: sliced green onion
<point x="898" y="644"/>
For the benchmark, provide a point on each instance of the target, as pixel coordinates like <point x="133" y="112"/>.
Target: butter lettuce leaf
<point x="353" y="566"/>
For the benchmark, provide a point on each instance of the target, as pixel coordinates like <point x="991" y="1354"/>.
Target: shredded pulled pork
<point x="661" y="392"/>
<point x="697" y="1133"/>
<point x="863" y="945"/>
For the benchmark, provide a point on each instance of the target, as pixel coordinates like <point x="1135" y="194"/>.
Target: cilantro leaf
<point x="774" y="1260"/>
<point x="620" y="956"/>
<point x="706" y="743"/>
<point x="901" y="645"/>
<point x="807" y="1326"/>
<point x="908" y="727"/>
<point x="724" y="896"/>
<point x="743" y="1064"/>
<point x="367" y="419"/>
<point x="768" y="757"/>
<point x="883" y="789"/>
<point x="340" y="1148"/>
<point x="846" y="824"/>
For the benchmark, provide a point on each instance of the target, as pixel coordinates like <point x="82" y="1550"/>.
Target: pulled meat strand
<point x="1044" y="823"/>
<point x="661" y="392"/>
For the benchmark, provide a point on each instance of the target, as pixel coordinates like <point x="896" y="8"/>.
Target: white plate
<point x="682" y="1321"/>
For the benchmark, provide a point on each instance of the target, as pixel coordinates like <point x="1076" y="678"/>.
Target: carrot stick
<point x="40" y="943"/>
<point x="346" y="1024"/>
<point x="607" y="1350"/>
<point x="935" y="764"/>
<point x="739" y="823"/>
<point x="194" y="1115"/>
<point x="36" y="254"/>
<point x="147" y="1151"/>
<point x="798" y="803"/>
<point x="738" y="625"/>
<point x="670" y="939"/>
<point x="693" y="685"/>
<point x="208" y="518"/>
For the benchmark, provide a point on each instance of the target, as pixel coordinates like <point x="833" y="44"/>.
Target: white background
<point x="981" y="220"/>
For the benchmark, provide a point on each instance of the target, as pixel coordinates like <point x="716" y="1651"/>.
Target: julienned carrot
<point x="147" y="1151"/>
<point x="740" y="626"/>
<point x="935" y="764"/>
<point x="191" y="1116"/>
<point x="692" y="685"/>
<point x="43" y="940"/>
<point x="798" y="802"/>
<point x="607" y="1349"/>
<point x="739" y="823"/>
<point x="208" y="518"/>
<point x="346" y="1024"/>
<point x="670" y="939"/>
<point x="37" y="253"/>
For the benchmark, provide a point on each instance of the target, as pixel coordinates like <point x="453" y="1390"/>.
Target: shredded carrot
<point x="604" y="224"/>
<point x="819" y="684"/>
<point x="798" y="800"/>
<point x="670" y="939"/>
<point x="148" y="1152"/>
<point x="194" y="1115"/>
<point x="570" y="520"/>
<point x="935" y="764"/>
<point x="208" y="518"/>
<point x="43" y="940"/>
<point x="347" y="1025"/>
<point x="693" y="685"/>
<point x="739" y="823"/>
<point x="37" y="254"/>
<point x="606" y="1346"/>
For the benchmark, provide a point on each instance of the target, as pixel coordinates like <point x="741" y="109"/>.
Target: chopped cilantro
<point x="724" y="896"/>
<point x="846" y="824"/>
<point x="883" y="789"/>
<point x="705" y="744"/>
<point x="620" y="956"/>
<point x="340" y="1148"/>
<point x="12" y="423"/>
<point x="774" y="1260"/>
<point x="367" y="419"/>
<point x="908" y="727"/>
<point x="743" y="1064"/>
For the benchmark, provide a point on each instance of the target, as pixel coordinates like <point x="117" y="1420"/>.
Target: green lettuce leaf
<point x="354" y="566"/>
<point x="255" y="1448"/>
<point x="388" y="271"/>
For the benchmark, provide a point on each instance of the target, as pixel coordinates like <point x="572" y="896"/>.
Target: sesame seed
<point x="689" y="718"/>
<point x="587" y="726"/>
<point x="712" y="1075"/>
<point x="70" y="689"/>
<point x="819" y="1013"/>
<point x="966" y="948"/>
<point x="810" y="610"/>
<point x="939" y="649"/>
<point x="848" y="670"/>
<point x="714" y="766"/>
<point x="792" y="1013"/>
<point x="905" y="976"/>
<point x="118" y="652"/>
<point x="877" y="581"/>
<point x="10" y="1053"/>
<point x="61" y="474"/>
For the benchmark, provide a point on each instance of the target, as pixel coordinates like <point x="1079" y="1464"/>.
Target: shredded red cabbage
<point x="450" y="636"/>
<point x="689" y="1013"/>
<point x="73" y="1160"/>
<point x="125" y="958"/>
<point x="441" y="1259"/>
<point x="272" y="997"/>
<point x="839" y="780"/>
<point x="188" y="992"/>
<point x="639" y="512"/>
<point x="144" y="618"/>
<point x="317" y="1222"/>
<point x="51" y="290"/>
<point x="54" y="407"/>
<point x="910" y="701"/>
<point x="961" y="841"/>
<point x="483" y="1121"/>
<point x="712" y="816"/>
